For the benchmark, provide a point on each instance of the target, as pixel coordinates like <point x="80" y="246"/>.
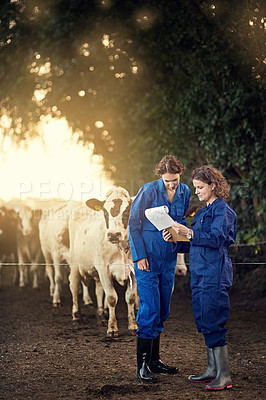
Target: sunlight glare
<point x="54" y="165"/>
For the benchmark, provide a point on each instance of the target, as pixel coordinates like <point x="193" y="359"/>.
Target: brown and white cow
<point x="54" y="238"/>
<point x="28" y="244"/>
<point x="99" y="248"/>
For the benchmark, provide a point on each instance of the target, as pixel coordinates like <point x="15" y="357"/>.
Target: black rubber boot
<point x="157" y="366"/>
<point x="210" y="374"/>
<point x="144" y="348"/>
<point x="223" y="378"/>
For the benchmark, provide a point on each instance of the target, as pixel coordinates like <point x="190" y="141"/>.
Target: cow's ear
<point x="37" y="213"/>
<point x="12" y="213"/>
<point x="95" y="204"/>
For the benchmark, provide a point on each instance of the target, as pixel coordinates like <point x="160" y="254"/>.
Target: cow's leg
<point x="58" y="278"/>
<point x="21" y="269"/>
<point x="181" y="268"/>
<point x="136" y="299"/>
<point x="15" y="269"/>
<point x="111" y="298"/>
<point x="1" y="266"/>
<point x="27" y="269"/>
<point x="15" y="274"/>
<point x="65" y="273"/>
<point x="130" y="297"/>
<point x="105" y="308"/>
<point x="99" y="292"/>
<point x="86" y="295"/>
<point x="22" y="280"/>
<point x="74" y="283"/>
<point x="49" y="270"/>
<point x="35" y="270"/>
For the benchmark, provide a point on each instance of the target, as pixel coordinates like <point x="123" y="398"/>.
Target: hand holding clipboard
<point x="160" y="218"/>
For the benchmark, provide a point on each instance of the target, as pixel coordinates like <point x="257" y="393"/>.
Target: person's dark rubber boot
<point x="223" y="378"/>
<point x="210" y="374"/>
<point x="144" y="348"/>
<point x="157" y="366"/>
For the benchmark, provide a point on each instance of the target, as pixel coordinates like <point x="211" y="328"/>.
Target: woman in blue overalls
<point x="213" y="231"/>
<point x="155" y="262"/>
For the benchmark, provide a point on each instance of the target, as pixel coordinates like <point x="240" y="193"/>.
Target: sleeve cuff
<point x="195" y="239"/>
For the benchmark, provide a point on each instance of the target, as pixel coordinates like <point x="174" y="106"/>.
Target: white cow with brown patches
<point x="99" y="248"/>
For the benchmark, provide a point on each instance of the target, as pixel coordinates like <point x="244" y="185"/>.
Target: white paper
<point x="159" y="217"/>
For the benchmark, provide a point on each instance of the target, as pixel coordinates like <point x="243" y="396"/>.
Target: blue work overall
<point x="154" y="287"/>
<point x="214" y="230"/>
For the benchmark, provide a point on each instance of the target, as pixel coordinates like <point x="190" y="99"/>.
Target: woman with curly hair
<point x="213" y="231"/>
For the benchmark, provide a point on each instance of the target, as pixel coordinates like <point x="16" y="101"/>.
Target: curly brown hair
<point x="169" y="164"/>
<point x="208" y="174"/>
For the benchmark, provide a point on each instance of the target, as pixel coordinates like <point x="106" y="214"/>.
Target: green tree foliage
<point x="164" y="76"/>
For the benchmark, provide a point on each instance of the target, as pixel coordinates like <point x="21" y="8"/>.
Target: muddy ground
<point x="45" y="356"/>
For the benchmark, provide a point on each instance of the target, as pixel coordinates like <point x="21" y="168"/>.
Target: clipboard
<point x="160" y="218"/>
<point x="177" y="237"/>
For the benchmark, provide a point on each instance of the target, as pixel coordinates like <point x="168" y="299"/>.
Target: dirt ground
<point x="45" y="356"/>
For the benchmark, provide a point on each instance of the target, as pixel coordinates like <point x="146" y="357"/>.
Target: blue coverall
<point x="154" y="287"/>
<point x="214" y="230"/>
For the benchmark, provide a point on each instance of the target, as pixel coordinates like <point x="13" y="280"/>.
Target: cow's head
<point x="25" y="220"/>
<point x="116" y="209"/>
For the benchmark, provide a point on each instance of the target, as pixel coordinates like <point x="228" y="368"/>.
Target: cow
<point x="54" y="238"/>
<point x="181" y="268"/>
<point x="28" y="244"/>
<point x="8" y="237"/>
<point x="99" y="248"/>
